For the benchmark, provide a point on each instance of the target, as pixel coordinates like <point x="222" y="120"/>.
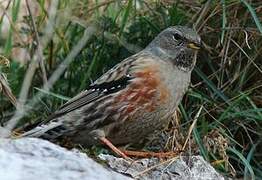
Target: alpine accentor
<point x="131" y="100"/>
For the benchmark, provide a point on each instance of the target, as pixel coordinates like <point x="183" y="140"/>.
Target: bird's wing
<point x="112" y="81"/>
<point x="115" y="79"/>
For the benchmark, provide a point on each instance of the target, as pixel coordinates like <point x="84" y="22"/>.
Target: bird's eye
<point x="176" y="37"/>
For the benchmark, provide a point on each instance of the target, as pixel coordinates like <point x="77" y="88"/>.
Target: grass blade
<point x="52" y="94"/>
<point x="224" y="20"/>
<point x="245" y="162"/>
<point x="253" y="13"/>
<point x="211" y="85"/>
<point x="249" y="157"/>
<point x="125" y="17"/>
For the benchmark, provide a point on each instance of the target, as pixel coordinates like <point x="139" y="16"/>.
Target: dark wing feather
<point x="80" y="100"/>
<point x="109" y="83"/>
<point x="48" y="129"/>
<point x="95" y="92"/>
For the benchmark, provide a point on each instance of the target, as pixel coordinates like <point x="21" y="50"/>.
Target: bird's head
<point x="177" y="44"/>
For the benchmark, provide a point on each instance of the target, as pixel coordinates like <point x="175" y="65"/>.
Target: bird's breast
<point x="145" y="94"/>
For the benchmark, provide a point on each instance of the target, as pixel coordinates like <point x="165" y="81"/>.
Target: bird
<point x="131" y="100"/>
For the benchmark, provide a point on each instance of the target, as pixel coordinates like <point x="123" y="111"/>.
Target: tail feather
<point x="45" y="131"/>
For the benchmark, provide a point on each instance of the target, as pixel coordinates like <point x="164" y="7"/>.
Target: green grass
<point x="227" y="80"/>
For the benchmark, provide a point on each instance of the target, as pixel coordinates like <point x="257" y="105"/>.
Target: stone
<point x="31" y="159"/>
<point x="177" y="168"/>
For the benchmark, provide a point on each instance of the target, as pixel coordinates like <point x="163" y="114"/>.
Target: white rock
<point x="35" y="159"/>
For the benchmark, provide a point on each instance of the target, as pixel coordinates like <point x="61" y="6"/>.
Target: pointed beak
<point x="193" y="46"/>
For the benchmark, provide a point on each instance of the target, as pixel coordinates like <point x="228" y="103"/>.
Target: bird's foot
<point x="115" y="149"/>
<point x="144" y="154"/>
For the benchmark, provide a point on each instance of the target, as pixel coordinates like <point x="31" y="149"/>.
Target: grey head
<point x="177" y="44"/>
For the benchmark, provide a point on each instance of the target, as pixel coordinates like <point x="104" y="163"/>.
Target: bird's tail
<point x="45" y="131"/>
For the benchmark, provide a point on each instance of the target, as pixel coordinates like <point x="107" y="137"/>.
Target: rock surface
<point x="31" y="159"/>
<point x="178" y="168"/>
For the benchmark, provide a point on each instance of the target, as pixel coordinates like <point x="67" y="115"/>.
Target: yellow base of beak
<point x="193" y="46"/>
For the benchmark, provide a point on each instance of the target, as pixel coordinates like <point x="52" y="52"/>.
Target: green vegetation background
<point x="90" y="36"/>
